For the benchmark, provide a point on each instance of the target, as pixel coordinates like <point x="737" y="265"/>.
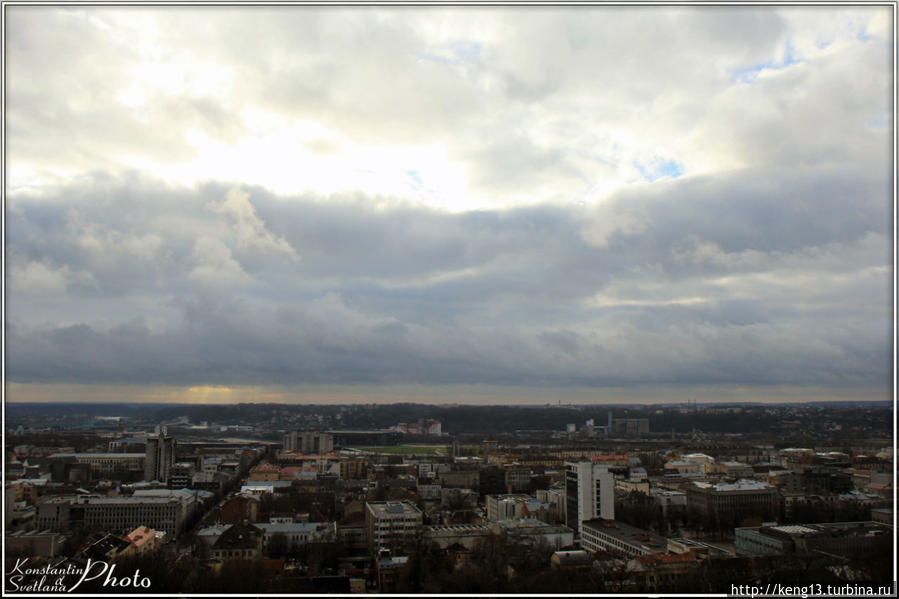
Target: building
<point x="421" y="427"/>
<point x="728" y="503"/>
<point x="160" y="455"/>
<point x="630" y="426"/>
<point x="589" y="493"/>
<point x="353" y="468"/>
<point x="458" y="499"/>
<point x="107" y="548"/>
<point x="365" y="438"/>
<point x="554" y="500"/>
<point x="265" y="472"/>
<point x="296" y="534"/>
<point x="530" y="531"/>
<point x="705" y="463"/>
<point x="826" y="480"/>
<point x="669" y="500"/>
<point x="145" y="540"/>
<point x="517" y="479"/>
<point x="181" y="475"/>
<point x="33" y="543"/>
<point x="239" y="541"/>
<point x="848" y="539"/>
<point x="735" y="469"/>
<point x="352" y="537"/>
<point x="882" y="515"/>
<point x="118" y="514"/>
<point x="105" y="465"/>
<point x="750" y="540"/>
<point x="428" y="492"/>
<point x="511" y="507"/>
<point x="465" y="479"/>
<point x="620" y="538"/>
<point x="391" y="523"/>
<point x="240" y="507"/>
<point x="463" y="534"/>
<point x="309" y="442"/>
<point x="389" y="570"/>
<point x="188" y="498"/>
<point x="660" y="572"/>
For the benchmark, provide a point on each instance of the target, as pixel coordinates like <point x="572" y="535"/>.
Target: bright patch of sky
<point x="751" y="73"/>
<point x="659" y="169"/>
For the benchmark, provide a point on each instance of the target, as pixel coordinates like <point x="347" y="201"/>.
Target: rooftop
<point x="383" y="508"/>
<point x="121" y="456"/>
<point x="290" y="527"/>
<point x="628" y="534"/>
<point x="744" y="484"/>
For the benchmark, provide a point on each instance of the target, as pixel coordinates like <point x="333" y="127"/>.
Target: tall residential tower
<point x="590" y="493"/>
<point x="160" y="455"/>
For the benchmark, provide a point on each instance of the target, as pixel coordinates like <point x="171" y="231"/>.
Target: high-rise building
<point x="590" y="493"/>
<point x="309" y="442"/>
<point x="160" y="455"/>
<point x="391" y="524"/>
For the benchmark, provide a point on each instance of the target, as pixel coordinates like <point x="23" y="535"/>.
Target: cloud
<point x="214" y="264"/>
<point x="530" y="105"/>
<point x="41" y="279"/>
<point x="578" y="197"/>
<point x="249" y="229"/>
<point x="726" y="280"/>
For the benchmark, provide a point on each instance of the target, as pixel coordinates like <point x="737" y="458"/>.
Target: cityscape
<point x="572" y="299"/>
<point x="274" y="498"/>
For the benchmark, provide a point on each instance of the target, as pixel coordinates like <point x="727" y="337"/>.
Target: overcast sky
<point x="487" y="204"/>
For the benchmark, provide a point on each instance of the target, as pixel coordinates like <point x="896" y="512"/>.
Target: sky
<point x="448" y="204"/>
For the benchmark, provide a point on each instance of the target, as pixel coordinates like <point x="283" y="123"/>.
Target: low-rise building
<point x="119" y="514"/>
<point x="458" y="498"/>
<point x="296" y="534"/>
<point x="512" y="507"/>
<point x="669" y="500"/>
<point x="145" y="540"/>
<point x="465" y="479"/>
<point x="533" y="531"/>
<point x="848" y="539"/>
<point x="240" y="541"/>
<point x="728" y="503"/>
<point x="663" y="572"/>
<point x="617" y="537"/>
<point x="735" y="469"/>
<point x="463" y="534"/>
<point x="352" y="537"/>
<point x="517" y="478"/>
<point x="33" y="543"/>
<point x="104" y="464"/>
<point x="265" y="472"/>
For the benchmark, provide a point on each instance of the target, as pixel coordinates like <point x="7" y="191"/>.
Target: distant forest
<point x="840" y="421"/>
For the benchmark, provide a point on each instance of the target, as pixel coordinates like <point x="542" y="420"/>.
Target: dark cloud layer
<point x="738" y="278"/>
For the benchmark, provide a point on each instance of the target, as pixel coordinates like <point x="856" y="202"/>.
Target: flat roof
<point x="99" y="455"/>
<point x="287" y="527"/>
<point x="458" y="527"/>
<point x="627" y="533"/>
<point x="744" y="484"/>
<point x="392" y="507"/>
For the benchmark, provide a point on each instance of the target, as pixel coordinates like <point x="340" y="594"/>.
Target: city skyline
<point x="475" y="204"/>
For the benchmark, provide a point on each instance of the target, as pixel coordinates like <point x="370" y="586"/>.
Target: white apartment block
<point x="590" y="493"/>
<point x="391" y="523"/>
